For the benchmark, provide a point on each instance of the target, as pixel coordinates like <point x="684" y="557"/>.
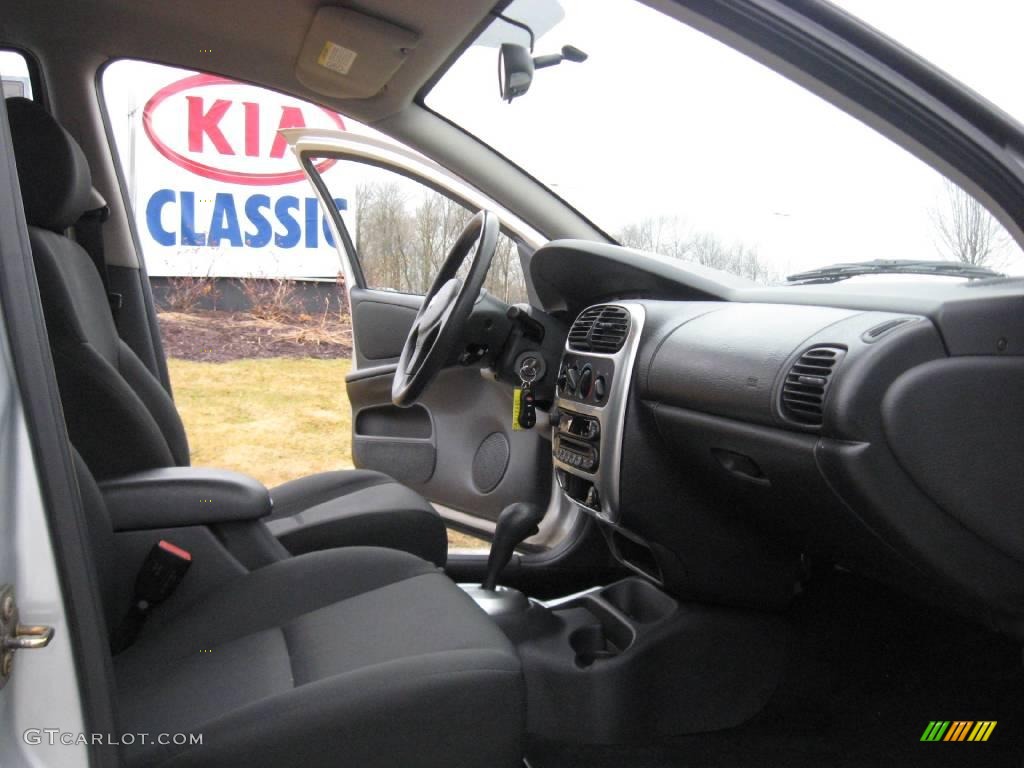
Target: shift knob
<point x="516" y="523"/>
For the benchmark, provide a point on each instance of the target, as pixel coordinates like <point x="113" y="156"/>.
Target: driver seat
<point x="119" y="416"/>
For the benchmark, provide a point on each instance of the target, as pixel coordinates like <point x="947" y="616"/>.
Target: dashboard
<point x="727" y="438"/>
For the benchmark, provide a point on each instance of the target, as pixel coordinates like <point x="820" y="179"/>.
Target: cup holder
<point x="638" y="600"/>
<point x="604" y="624"/>
<point x="591" y="643"/>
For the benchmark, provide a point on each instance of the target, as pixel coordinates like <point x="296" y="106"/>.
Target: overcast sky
<point x="664" y="121"/>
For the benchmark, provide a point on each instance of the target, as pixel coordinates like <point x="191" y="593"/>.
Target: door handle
<point x="740" y="465"/>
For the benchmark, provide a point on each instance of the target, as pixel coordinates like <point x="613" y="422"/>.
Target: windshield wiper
<point x="836" y="272"/>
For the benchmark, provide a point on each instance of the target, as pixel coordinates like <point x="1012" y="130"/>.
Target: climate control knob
<point x="572" y="379"/>
<point x="586" y="381"/>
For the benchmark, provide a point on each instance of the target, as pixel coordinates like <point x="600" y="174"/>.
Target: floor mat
<point x="868" y="671"/>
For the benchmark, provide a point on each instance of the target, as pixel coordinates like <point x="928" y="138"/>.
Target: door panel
<point x="397" y="441"/>
<point x="457" y="446"/>
<point x="383" y="319"/>
<point x="472" y="460"/>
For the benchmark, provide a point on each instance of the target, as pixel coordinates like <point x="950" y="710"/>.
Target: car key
<point x="527" y="410"/>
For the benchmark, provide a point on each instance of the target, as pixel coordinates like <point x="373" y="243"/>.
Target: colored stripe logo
<point x="958" y="730"/>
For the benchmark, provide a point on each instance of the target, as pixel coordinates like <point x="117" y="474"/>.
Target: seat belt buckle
<point x="161" y="573"/>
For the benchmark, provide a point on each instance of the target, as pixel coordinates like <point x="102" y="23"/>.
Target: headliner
<point x="253" y="40"/>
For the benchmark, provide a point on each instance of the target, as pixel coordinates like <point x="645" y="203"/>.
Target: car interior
<point x="727" y="523"/>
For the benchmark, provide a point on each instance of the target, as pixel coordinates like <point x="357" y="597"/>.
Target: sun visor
<point x="349" y="55"/>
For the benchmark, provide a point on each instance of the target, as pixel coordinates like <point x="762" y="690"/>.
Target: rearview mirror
<point x="516" y="65"/>
<point x="515" y="71"/>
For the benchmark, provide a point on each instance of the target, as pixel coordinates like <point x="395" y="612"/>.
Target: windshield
<point x="971" y="41"/>
<point x="672" y="142"/>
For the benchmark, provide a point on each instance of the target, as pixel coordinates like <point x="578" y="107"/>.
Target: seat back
<point x="119" y="416"/>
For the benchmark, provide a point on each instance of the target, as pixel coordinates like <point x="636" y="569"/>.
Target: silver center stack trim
<point x="612" y="416"/>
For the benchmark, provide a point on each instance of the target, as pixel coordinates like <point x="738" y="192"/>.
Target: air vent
<point x="806" y="384"/>
<point x="874" y="334"/>
<point x="600" y="329"/>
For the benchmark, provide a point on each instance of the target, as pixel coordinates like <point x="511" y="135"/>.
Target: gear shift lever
<point x="516" y="523"/>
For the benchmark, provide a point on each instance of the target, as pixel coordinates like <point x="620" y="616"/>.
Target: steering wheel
<point x="439" y="324"/>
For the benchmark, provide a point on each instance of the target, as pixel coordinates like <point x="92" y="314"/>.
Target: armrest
<point x="371" y="373"/>
<point x="181" y="496"/>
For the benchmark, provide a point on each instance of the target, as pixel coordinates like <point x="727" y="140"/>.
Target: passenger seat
<point x="348" y="657"/>
<point x="119" y="415"/>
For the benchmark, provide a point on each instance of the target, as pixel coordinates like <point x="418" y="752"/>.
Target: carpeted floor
<point x="867" y="672"/>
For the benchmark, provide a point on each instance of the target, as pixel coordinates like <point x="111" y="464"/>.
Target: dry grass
<point x="274" y="418"/>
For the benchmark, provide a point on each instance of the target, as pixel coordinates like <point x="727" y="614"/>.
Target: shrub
<point x="184" y="293"/>
<point x="269" y="298"/>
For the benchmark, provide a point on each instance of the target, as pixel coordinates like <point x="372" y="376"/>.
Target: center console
<point x="591" y="392"/>
<point x="618" y="662"/>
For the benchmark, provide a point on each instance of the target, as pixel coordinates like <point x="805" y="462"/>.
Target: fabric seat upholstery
<point x="358" y="656"/>
<point x="119" y="415"/>
<point x="376" y="509"/>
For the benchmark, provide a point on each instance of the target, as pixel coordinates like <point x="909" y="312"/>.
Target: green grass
<point x="275" y="419"/>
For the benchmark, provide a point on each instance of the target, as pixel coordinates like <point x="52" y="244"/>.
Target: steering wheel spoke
<point x="424" y="343"/>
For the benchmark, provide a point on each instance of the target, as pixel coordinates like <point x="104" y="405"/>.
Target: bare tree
<point x="966" y="231"/>
<point x="384" y="236"/>
<point x="658" y="234"/>
<point x="403" y="237"/>
<point x="505" y="278"/>
<point x="667" y="236"/>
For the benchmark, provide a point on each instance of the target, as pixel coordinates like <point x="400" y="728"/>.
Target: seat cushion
<point x="356" y="508"/>
<point x="361" y="656"/>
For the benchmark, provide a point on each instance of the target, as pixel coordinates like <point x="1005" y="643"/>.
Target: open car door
<point x="395" y="215"/>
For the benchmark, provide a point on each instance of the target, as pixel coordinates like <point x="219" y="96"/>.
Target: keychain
<point x="524" y="411"/>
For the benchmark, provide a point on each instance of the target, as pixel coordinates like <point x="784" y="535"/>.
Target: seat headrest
<point x="56" y="185"/>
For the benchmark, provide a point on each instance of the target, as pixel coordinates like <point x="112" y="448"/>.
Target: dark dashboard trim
<point x="978" y="317"/>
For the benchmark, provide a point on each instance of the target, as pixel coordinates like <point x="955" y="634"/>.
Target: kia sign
<point x="207" y="120"/>
<point x="215" y="189"/>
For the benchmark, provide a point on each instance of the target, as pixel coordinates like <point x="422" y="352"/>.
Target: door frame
<point x="45" y="552"/>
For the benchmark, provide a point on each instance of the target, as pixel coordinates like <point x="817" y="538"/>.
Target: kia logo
<point x="233" y="134"/>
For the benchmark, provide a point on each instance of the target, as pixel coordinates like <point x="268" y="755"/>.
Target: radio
<point x="577" y="441"/>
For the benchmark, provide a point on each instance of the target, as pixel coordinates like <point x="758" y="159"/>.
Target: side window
<point x="402" y="230"/>
<point x="242" y="266"/>
<point x="14" y="74"/>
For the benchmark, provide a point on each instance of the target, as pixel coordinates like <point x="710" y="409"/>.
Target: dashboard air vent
<point x="806" y="384"/>
<point x="600" y="329"/>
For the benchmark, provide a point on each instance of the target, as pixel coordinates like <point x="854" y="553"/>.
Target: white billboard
<point x="214" y="189"/>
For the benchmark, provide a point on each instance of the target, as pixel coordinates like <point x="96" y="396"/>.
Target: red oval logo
<point x="232" y="130"/>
